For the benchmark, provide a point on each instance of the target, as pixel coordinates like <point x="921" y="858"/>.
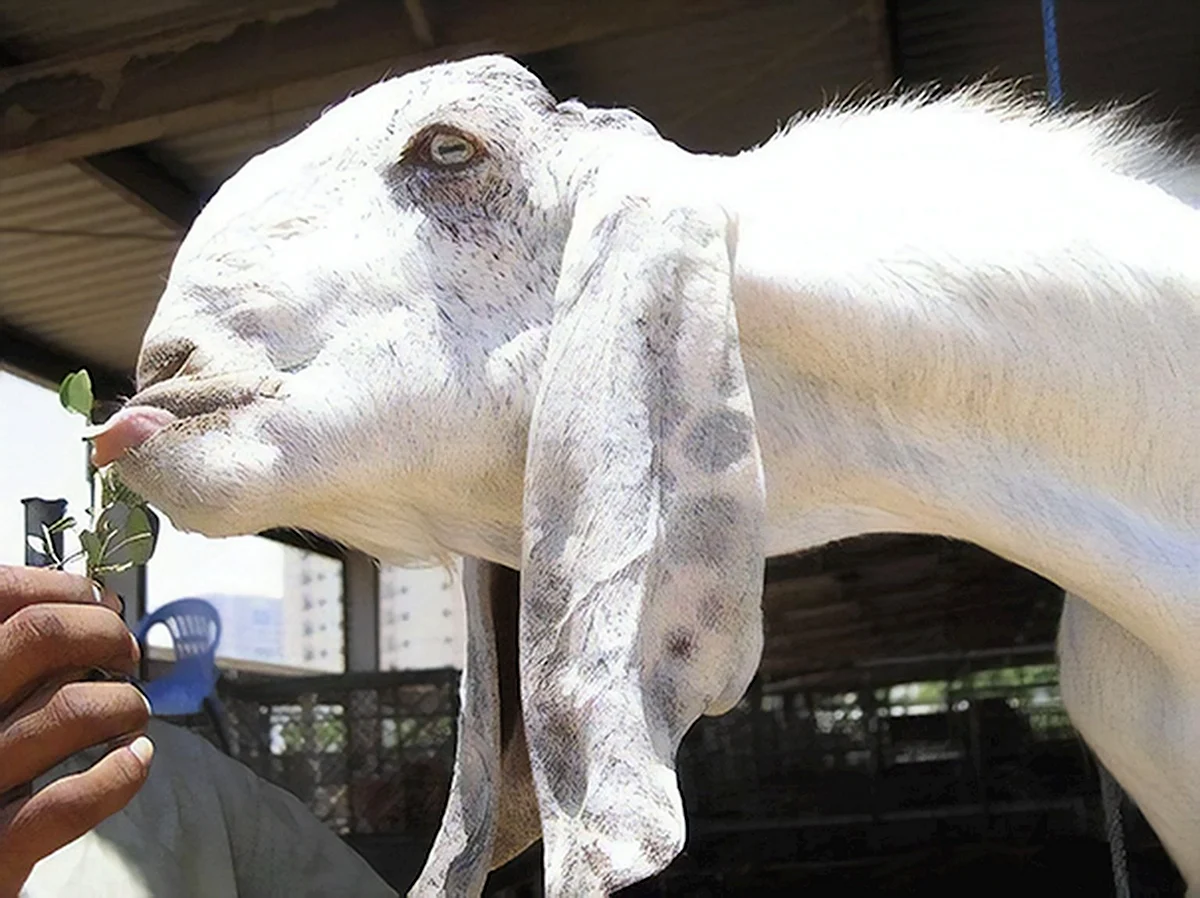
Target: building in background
<point x="312" y="612"/>
<point x="421" y="618"/>
<point x="251" y="628"/>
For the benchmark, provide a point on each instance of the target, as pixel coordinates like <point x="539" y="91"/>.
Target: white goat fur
<point x="961" y="316"/>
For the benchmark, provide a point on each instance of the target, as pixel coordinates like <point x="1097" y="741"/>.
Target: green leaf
<point x="64" y="390"/>
<point x="48" y="543"/>
<point x="36" y="543"/>
<point x="108" y="524"/>
<point x="61" y="524"/>
<point x="75" y="393"/>
<point x="141" y="538"/>
<point x="91" y="544"/>
<point x="126" y="535"/>
<point x="112" y="568"/>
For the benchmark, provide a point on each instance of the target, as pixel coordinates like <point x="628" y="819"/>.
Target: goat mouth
<point x="192" y="397"/>
<point x="165" y="405"/>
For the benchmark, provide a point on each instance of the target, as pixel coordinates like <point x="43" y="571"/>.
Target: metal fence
<point x="792" y="776"/>
<point x="368" y="753"/>
<point x="979" y="737"/>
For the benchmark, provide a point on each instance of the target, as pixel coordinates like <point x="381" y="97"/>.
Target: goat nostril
<point x="163" y="360"/>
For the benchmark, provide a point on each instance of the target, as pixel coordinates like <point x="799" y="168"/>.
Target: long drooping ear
<point x="643" y="551"/>
<point x="491" y="814"/>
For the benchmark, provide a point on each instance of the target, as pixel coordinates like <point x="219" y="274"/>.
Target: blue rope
<point x="1054" y="89"/>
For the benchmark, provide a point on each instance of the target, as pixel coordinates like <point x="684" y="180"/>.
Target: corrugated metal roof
<point x="895" y="596"/>
<point x="79" y="266"/>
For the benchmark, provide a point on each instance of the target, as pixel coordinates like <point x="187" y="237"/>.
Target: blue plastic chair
<point x="195" y="628"/>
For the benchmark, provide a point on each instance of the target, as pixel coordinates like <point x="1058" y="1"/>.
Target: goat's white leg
<point x="1142" y="720"/>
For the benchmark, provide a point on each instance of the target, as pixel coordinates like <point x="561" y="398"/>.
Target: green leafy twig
<point x="123" y="530"/>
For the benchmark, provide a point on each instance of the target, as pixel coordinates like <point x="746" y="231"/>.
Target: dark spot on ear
<point x="544" y="590"/>
<point x="564" y="757"/>
<point x="718" y="440"/>
<point x="667" y="481"/>
<point x="704" y="528"/>
<point x="712" y="610"/>
<point x="596" y="866"/>
<point x="727" y="379"/>
<point x="680" y="644"/>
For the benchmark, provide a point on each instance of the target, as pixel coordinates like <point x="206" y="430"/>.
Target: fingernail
<point x="97" y="593"/>
<point x="137" y="648"/>
<point x="143" y="750"/>
<point x="145" y="699"/>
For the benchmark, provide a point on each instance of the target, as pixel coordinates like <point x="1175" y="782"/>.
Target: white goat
<point x="455" y="316"/>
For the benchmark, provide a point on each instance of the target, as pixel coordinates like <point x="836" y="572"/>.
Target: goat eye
<point x="450" y="149"/>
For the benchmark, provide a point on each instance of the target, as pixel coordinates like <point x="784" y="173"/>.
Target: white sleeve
<point x="280" y="849"/>
<point x="203" y="826"/>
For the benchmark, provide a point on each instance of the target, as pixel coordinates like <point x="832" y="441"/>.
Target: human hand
<point x="54" y="629"/>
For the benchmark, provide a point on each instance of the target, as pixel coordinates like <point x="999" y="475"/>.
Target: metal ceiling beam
<point x="307" y="542"/>
<point x="268" y="60"/>
<point x="48" y="363"/>
<point x="134" y="175"/>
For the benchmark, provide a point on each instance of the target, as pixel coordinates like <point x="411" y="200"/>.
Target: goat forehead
<point x="399" y="105"/>
<point x="322" y="164"/>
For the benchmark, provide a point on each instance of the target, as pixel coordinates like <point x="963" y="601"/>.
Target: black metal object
<point x="306" y="541"/>
<point x="41" y="513"/>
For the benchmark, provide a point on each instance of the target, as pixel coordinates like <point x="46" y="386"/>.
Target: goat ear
<point x="643" y="548"/>
<point x="491" y="813"/>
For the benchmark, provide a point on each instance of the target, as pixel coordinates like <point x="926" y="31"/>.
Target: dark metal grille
<point x="368" y="753"/>
<point x="795" y="782"/>
<point x="373" y="753"/>
<point x="985" y="738"/>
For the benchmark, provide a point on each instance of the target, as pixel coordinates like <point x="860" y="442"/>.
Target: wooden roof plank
<point x="270" y="60"/>
<point x="134" y="175"/>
